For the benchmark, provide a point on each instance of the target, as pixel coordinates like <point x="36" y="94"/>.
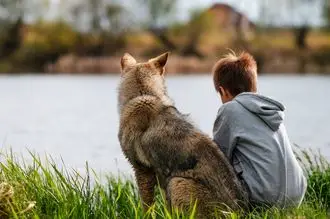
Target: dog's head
<point x="145" y="78"/>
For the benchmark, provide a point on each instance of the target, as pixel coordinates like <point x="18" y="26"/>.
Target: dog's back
<point x="160" y="142"/>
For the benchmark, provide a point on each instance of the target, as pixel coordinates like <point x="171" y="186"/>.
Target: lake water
<point x="75" y="117"/>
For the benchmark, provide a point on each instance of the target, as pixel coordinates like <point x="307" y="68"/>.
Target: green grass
<point x="44" y="190"/>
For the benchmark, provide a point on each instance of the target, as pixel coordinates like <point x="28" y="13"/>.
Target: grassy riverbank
<point x="44" y="190"/>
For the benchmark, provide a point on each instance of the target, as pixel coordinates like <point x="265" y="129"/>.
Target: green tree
<point x="326" y="12"/>
<point x="14" y="14"/>
<point x="11" y="23"/>
<point x="12" y="10"/>
<point x="97" y="16"/>
<point x="199" y="23"/>
<point x="297" y="14"/>
<point x="105" y="20"/>
<point x="159" y="19"/>
<point x="158" y="11"/>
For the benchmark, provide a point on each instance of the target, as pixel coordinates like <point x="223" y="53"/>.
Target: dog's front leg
<point x="146" y="181"/>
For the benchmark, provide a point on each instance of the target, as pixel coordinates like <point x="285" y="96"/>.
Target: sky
<point x="310" y="13"/>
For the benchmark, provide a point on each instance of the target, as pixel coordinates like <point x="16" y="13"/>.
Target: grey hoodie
<point x="250" y="132"/>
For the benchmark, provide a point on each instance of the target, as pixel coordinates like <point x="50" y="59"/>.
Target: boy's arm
<point x="224" y="131"/>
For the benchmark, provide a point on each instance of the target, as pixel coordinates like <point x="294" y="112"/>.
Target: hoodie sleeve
<point x="224" y="134"/>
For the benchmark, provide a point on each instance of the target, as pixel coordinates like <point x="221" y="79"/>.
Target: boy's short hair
<point x="237" y="74"/>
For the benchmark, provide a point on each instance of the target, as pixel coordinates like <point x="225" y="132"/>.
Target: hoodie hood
<point x="268" y="110"/>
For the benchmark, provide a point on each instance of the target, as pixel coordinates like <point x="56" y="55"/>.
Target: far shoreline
<point x="179" y="74"/>
<point x="180" y="65"/>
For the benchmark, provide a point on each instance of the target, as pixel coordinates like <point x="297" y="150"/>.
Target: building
<point x="229" y="19"/>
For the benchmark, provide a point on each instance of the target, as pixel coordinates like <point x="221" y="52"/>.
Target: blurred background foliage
<point x="33" y="41"/>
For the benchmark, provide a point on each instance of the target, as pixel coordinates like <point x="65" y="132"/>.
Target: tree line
<point x="100" y="27"/>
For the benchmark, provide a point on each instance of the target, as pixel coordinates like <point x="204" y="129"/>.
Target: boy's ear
<point x="160" y="61"/>
<point x="127" y="61"/>
<point x="221" y="90"/>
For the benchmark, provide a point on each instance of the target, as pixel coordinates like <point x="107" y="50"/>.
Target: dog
<point x="165" y="148"/>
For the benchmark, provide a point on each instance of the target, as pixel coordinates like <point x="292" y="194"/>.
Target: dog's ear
<point x="127" y="61"/>
<point x="160" y="61"/>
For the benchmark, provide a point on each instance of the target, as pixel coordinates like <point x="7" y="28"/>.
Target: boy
<point x="249" y="130"/>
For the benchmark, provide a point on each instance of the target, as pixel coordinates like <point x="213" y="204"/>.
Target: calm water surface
<point x="75" y="117"/>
